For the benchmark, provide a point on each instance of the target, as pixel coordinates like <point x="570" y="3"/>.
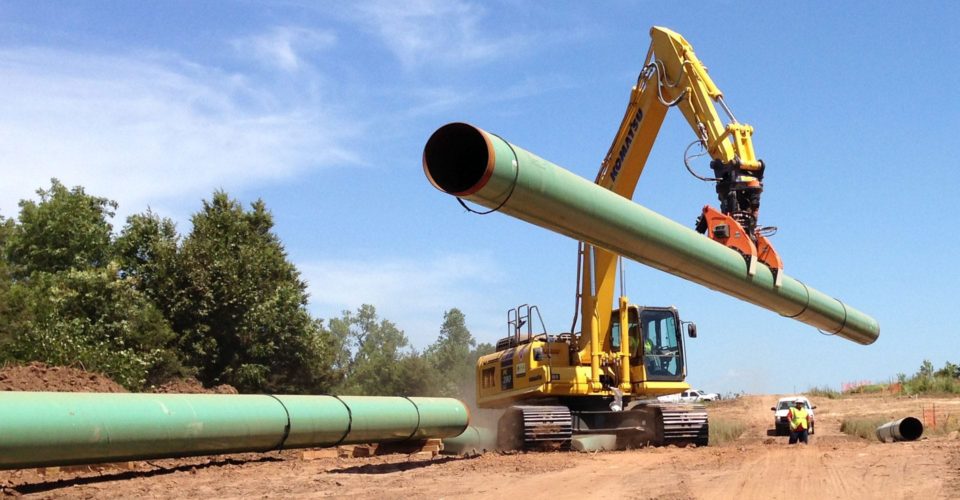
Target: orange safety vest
<point x="798" y="419"/>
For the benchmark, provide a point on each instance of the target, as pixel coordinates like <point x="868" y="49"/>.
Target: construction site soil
<point x="756" y="465"/>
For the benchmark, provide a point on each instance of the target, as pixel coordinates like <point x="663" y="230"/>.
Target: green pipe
<point x="473" y="440"/>
<point x="39" y="429"/>
<point x="472" y="164"/>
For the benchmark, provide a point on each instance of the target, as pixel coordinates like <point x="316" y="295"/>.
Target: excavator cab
<point x="656" y="341"/>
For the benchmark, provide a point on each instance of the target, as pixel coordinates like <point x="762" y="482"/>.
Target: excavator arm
<point x="673" y="76"/>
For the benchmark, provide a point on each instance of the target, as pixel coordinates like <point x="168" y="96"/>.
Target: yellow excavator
<point x="602" y="381"/>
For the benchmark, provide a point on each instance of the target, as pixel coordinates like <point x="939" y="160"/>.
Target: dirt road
<point x="757" y="465"/>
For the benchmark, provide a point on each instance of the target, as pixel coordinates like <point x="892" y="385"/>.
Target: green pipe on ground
<point x="474" y="440"/>
<point x="39" y="429"/>
<point x="472" y="164"/>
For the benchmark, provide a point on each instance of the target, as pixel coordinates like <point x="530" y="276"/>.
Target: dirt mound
<point x="192" y="386"/>
<point x="40" y="377"/>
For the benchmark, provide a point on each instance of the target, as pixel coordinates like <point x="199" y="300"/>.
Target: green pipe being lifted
<point x="39" y="429"/>
<point x="464" y="161"/>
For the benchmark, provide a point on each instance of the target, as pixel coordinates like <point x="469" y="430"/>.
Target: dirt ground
<point x="757" y="465"/>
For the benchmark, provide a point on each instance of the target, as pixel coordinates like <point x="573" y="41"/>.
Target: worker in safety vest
<point x="650" y="360"/>
<point x="799" y="419"/>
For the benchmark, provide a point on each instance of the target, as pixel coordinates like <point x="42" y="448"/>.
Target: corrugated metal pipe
<point x="467" y="162"/>
<point x="47" y="428"/>
<point x="905" y="429"/>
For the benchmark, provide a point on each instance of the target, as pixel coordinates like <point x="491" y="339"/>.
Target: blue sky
<point x="322" y="110"/>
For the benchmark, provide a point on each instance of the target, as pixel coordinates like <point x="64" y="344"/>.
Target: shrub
<point x="932" y="385"/>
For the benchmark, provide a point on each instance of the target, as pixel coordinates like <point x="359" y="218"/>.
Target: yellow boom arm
<point x="672" y="76"/>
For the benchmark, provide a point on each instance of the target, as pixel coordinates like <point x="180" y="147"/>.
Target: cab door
<point x="662" y="344"/>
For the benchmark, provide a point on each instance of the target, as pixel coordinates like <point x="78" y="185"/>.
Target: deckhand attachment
<point x="467" y="162"/>
<point x="723" y="229"/>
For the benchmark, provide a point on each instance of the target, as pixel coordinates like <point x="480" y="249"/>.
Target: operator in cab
<point x="799" y="419"/>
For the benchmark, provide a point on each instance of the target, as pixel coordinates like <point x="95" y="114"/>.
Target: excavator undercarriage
<point x="532" y="427"/>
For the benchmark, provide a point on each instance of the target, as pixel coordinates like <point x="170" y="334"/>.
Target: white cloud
<point x="283" y="46"/>
<point x="144" y="129"/>
<point x="413" y="293"/>
<point x="447" y="32"/>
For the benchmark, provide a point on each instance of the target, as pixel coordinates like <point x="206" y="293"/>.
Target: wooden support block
<point x="410" y="447"/>
<point x="356" y="450"/>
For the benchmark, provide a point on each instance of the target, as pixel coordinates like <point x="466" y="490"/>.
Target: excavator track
<point x="535" y="427"/>
<point x="684" y="424"/>
<point x="649" y="424"/>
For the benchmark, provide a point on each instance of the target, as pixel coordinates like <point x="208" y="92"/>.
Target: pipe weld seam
<point x="844" y="324"/>
<point x="417" y="428"/>
<point x="349" y="421"/>
<point x="286" y="428"/>
<point x="806" y="305"/>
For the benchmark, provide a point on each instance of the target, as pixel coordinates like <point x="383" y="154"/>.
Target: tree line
<point x="222" y="303"/>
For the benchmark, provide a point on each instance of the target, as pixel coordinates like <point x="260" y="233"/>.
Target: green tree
<point x="8" y="312"/>
<point x="381" y="363"/>
<point x="67" y="229"/>
<point x="64" y="302"/>
<point x="926" y="369"/>
<point x="949" y="370"/>
<point x="146" y="251"/>
<point x="452" y="356"/>
<point x="240" y="305"/>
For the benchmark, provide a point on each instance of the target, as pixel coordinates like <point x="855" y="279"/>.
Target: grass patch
<point x="723" y="430"/>
<point x="822" y="392"/>
<point x="862" y="427"/>
<point x="932" y="385"/>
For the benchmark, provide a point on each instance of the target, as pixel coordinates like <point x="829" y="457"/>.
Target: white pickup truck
<point x="689" y="396"/>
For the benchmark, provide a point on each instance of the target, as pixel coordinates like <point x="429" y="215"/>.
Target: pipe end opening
<point x="911" y="429"/>
<point x="457" y="159"/>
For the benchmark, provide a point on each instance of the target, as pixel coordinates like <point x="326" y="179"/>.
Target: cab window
<point x="663" y="352"/>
